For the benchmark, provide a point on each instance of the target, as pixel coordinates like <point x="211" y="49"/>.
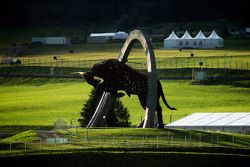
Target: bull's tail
<point x="163" y="97"/>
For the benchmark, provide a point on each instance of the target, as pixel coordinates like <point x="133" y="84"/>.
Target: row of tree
<point x="123" y="13"/>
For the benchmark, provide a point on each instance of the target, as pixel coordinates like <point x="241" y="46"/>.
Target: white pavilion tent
<point x="200" y="41"/>
<point x="214" y="41"/>
<point x="186" y="41"/>
<point x="172" y="41"/>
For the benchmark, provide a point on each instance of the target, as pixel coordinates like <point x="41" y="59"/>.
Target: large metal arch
<point x="140" y="36"/>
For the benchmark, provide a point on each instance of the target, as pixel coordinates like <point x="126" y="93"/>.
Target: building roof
<point x="213" y="119"/>
<point x="111" y="34"/>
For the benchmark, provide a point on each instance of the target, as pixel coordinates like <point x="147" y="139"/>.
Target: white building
<point x="224" y="122"/>
<point x="51" y="40"/>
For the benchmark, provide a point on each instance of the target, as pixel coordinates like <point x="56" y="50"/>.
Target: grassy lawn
<point x="40" y="102"/>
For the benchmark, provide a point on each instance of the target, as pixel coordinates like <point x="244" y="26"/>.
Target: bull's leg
<point x="159" y="116"/>
<point x="143" y="104"/>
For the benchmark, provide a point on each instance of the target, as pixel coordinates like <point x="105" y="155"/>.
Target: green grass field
<point x="29" y="103"/>
<point x="40" y="102"/>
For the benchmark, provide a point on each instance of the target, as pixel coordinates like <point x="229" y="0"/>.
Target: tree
<point x="118" y="115"/>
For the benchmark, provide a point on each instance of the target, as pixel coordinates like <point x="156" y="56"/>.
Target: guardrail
<point x="168" y="63"/>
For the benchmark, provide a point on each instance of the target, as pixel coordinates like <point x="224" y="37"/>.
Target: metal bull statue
<point x="113" y="76"/>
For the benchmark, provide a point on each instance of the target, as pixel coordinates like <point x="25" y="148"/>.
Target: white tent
<point x="225" y="122"/>
<point x="200" y="41"/>
<point x="172" y="41"/>
<point x="105" y="35"/>
<point x="186" y="41"/>
<point x="120" y="35"/>
<point x="214" y="41"/>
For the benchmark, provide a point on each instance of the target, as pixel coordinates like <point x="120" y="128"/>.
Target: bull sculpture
<point x="112" y="76"/>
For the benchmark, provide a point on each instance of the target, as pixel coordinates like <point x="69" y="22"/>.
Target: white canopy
<point x="200" y="35"/>
<point x="173" y="36"/>
<point x="186" y="36"/>
<point x="186" y="41"/>
<point x="200" y="40"/>
<point x="214" y="40"/>
<point x="214" y="35"/>
<point x="172" y="41"/>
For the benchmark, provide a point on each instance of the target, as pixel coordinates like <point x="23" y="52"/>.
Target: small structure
<point x="51" y="137"/>
<point x="104" y="37"/>
<point x="199" y="75"/>
<point x="51" y="40"/>
<point x="224" y="122"/>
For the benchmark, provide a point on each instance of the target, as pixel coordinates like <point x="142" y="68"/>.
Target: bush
<point x="117" y="116"/>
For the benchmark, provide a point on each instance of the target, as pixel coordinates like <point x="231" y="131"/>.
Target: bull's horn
<point x="80" y="73"/>
<point x="98" y="79"/>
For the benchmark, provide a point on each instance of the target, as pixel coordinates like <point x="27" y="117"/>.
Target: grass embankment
<point x="115" y="138"/>
<point x="40" y="102"/>
<point x="127" y="146"/>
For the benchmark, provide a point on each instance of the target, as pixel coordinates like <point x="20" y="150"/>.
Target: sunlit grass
<point x="42" y="104"/>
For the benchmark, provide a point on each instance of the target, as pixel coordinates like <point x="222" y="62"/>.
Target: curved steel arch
<point x="140" y="36"/>
<point x="103" y="106"/>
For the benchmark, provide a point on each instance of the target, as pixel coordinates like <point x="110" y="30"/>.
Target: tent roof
<point x="120" y="35"/>
<point x="200" y="35"/>
<point x="172" y="36"/>
<point x="214" y="119"/>
<point x="186" y="36"/>
<point x="214" y="35"/>
<point x="102" y="34"/>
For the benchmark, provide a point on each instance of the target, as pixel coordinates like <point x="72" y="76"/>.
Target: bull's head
<point x="90" y="78"/>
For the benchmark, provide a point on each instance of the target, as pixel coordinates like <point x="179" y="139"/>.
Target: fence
<point x="167" y="63"/>
<point x="189" y="139"/>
